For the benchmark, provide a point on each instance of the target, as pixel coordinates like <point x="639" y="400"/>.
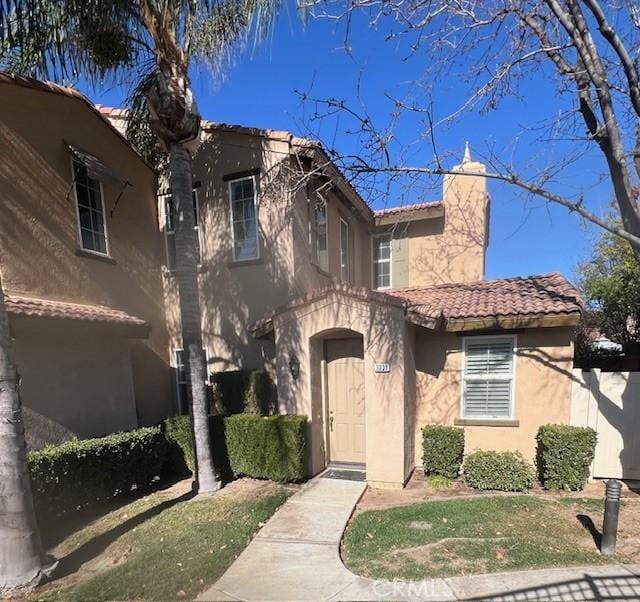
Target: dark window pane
<point x="168" y="213"/>
<point x="100" y="243"/>
<point x="85" y="217"/>
<point x="87" y="239"/>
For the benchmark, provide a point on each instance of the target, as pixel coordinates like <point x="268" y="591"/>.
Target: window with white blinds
<point x="488" y="377"/>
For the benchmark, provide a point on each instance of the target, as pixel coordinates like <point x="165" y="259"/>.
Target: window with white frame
<point x="182" y="380"/>
<point x="345" y="258"/>
<point x="244" y="218"/>
<point x="488" y="380"/>
<point x="169" y="229"/>
<point x="382" y="261"/>
<point x="318" y="233"/>
<point x="90" y="211"/>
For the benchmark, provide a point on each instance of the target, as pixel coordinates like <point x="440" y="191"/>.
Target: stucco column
<point x="384" y="343"/>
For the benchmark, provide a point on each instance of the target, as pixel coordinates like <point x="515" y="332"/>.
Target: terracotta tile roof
<point x="406" y="208"/>
<point x="46" y="308"/>
<point x="531" y="299"/>
<point x="547" y="294"/>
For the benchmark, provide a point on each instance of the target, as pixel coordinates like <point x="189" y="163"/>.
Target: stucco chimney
<point x="467" y="215"/>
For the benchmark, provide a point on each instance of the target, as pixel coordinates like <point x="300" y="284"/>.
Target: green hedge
<point x="502" y="471"/>
<point x="442" y="450"/>
<point x="269" y="447"/>
<point x="181" y="451"/>
<point x="82" y="471"/>
<point x="243" y="391"/>
<point x="181" y="460"/>
<point x="564" y="455"/>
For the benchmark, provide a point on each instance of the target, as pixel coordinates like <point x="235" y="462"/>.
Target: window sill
<point x="96" y="256"/>
<point x="200" y="268"/>
<point x="485" y="422"/>
<point x="240" y="263"/>
<point x="321" y="270"/>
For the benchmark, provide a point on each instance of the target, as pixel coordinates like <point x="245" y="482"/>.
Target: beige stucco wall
<point x="39" y="232"/>
<point x="235" y="294"/>
<point x="388" y="410"/>
<point x="72" y="386"/>
<point x="544" y="361"/>
<point x="452" y="248"/>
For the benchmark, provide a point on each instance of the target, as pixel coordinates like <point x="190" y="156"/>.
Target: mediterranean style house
<point x="371" y="323"/>
<point x="79" y="253"/>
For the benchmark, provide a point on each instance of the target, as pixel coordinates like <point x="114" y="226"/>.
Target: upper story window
<point x="488" y="377"/>
<point x="244" y="220"/>
<point x="382" y="261"/>
<point x="318" y="233"/>
<point x="345" y="258"/>
<point x="170" y="232"/>
<point x="90" y="210"/>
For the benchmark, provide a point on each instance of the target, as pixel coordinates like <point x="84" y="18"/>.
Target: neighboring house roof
<point x="33" y="307"/>
<point x="546" y="300"/>
<point x="45" y="86"/>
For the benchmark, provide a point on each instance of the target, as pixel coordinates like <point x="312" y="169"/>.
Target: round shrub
<point x="564" y="455"/>
<point x="501" y="471"/>
<point x="442" y="450"/>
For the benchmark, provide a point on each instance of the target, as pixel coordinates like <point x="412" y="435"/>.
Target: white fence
<point x="609" y="402"/>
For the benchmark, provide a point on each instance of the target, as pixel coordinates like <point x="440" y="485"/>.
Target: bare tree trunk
<point x="206" y="478"/>
<point x="22" y="563"/>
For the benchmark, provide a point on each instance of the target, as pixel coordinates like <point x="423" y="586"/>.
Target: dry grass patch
<point x="484" y="534"/>
<point x="165" y="545"/>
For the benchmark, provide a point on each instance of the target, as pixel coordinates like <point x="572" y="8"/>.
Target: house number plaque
<point x="382" y="368"/>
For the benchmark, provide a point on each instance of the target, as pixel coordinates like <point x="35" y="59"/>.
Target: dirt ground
<point x="418" y="490"/>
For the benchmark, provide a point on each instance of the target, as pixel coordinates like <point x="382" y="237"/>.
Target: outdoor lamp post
<point x="610" y="522"/>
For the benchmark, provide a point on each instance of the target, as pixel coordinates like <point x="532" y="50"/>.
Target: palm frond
<point x="138" y="126"/>
<point x="63" y="39"/>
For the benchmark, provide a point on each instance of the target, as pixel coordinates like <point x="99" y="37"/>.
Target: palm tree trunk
<point x="206" y="478"/>
<point x="21" y="559"/>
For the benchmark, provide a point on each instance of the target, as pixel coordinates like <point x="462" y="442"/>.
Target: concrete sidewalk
<point x="296" y="557"/>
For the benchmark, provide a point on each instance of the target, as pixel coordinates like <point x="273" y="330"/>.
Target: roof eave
<point x="513" y="322"/>
<point x="410" y="215"/>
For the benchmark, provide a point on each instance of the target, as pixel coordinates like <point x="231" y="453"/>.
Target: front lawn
<point x="479" y="535"/>
<point x="162" y="546"/>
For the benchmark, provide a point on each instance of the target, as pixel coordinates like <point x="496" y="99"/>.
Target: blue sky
<point x="260" y="90"/>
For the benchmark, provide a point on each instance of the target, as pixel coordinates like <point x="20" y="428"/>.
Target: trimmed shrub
<point x="502" y="471"/>
<point x="443" y="449"/>
<point x="269" y="447"/>
<point x="181" y="452"/>
<point x="564" y="455"/>
<point x="243" y="391"/>
<point x="181" y="460"/>
<point x="82" y="471"/>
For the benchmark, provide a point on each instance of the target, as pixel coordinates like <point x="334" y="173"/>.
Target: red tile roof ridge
<point x="25" y="305"/>
<point x="478" y="282"/>
<point x="404" y="208"/>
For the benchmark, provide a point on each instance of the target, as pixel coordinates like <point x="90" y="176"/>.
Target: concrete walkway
<point x="295" y="557"/>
